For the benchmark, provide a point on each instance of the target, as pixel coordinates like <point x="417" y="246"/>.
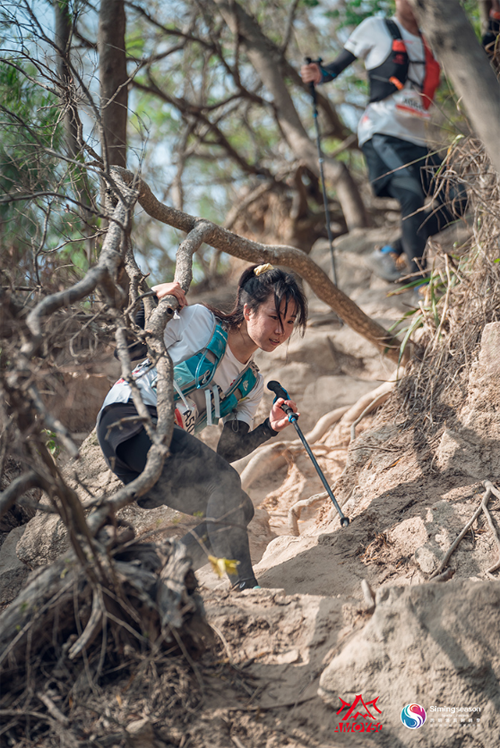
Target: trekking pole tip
<point x="345" y="521"/>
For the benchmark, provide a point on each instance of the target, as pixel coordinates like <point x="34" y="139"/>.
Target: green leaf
<point x="414" y="326"/>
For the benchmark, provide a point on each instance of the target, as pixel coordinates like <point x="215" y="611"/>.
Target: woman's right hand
<point x="171" y="289"/>
<point x="311" y="73"/>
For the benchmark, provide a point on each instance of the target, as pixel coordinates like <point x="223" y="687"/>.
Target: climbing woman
<point x="214" y="378"/>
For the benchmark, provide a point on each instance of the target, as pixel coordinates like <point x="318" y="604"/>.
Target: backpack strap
<point x="197" y="371"/>
<point x="211" y="356"/>
<point x="393" y="28"/>
<point x="391" y="75"/>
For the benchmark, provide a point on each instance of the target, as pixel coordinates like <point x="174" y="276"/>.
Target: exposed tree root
<point x="490" y="489"/>
<point x="367" y="405"/>
<point x="296" y="510"/>
<point x="144" y="599"/>
<point x="273" y="454"/>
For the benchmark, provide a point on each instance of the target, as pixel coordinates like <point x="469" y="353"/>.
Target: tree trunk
<point x="262" y="56"/>
<point x="456" y="47"/>
<point x="113" y="77"/>
<point x="484" y="12"/>
<point x="63" y="41"/>
<point x="63" y="32"/>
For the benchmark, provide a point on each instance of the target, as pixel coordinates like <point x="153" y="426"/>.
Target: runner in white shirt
<point x="403" y="77"/>
<point x="195" y="479"/>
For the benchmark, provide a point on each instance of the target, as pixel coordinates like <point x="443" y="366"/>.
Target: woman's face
<point x="404" y="11"/>
<point x="264" y="327"/>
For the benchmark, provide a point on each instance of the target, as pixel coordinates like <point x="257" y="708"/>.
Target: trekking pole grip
<point x="280" y="391"/>
<point x="312" y="85"/>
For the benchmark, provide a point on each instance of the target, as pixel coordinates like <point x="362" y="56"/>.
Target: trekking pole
<point x="312" y="89"/>
<point x="279" y="391"/>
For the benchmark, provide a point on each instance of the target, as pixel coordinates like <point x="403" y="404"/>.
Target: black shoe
<point x="246" y="584"/>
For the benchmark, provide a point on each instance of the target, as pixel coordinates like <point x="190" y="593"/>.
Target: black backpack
<point x="392" y="74"/>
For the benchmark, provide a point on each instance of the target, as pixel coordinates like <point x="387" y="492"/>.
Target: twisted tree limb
<point x="15" y="490"/>
<point x="251" y="251"/>
<point x="163" y="433"/>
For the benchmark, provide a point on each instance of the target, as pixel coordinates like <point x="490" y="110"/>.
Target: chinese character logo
<point x="358" y="716"/>
<point x="413" y="716"/>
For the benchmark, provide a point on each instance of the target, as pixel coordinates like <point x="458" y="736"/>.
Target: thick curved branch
<point x="455" y="45"/>
<point x="15" y="490"/>
<point x="291" y="257"/>
<point x="164" y="427"/>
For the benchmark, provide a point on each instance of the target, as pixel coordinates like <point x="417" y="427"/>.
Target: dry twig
<point x="490" y="489"/>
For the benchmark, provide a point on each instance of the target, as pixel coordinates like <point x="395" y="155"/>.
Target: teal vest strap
<point x="198" y="371"/>
<point x="240" y="388"/>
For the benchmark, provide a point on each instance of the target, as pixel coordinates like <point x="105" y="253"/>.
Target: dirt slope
<point x="287" y="656"/>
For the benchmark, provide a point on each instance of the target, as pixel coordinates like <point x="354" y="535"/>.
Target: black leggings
<point x="194" y="480"/>
<point x="407" y="172"/>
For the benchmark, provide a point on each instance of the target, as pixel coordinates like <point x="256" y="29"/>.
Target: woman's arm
<point x="237" y="440"/>
<point x="315" y="73"/>
<point x="171" y="289"/>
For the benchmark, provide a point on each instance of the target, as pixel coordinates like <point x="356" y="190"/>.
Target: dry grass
<point x="462" y="297"/>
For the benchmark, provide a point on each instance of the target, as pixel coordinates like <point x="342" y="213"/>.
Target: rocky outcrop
<point x="435" y="645"/>
<point x="13" y="573"/>
<point x="472" y="446"/>
<point x="75" y="398"/>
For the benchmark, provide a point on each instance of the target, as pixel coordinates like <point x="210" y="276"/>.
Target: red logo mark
<point x="359" y="709"/>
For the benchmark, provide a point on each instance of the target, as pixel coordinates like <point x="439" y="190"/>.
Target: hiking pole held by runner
<point x="312" y="89"/>
<point x="279" y="391"/>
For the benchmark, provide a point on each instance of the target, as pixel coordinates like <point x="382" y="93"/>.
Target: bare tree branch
<point x="226" y="241"/>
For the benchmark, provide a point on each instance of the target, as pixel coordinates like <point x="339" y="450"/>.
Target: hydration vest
<point x="392" y="74"/>
<point x="197" y="373"/>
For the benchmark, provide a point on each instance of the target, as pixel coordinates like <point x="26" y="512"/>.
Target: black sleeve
<point x="136" y="349"/>
<point x="340" y="63"/>
<point x="237" y="441"/>
<point x="490" y="37"/>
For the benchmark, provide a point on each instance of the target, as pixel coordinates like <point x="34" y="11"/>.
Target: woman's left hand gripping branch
<point x="278" y="419"/>
<point x="171" y="289"/>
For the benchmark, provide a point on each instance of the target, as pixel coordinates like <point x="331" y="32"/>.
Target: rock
<point x="456" y="454"/>
<point x="45" y="539"/>
<point x="141" y="734"/>
<point x="426" y="559"/>
<point x="352" y="272"/>
<point x="430" y="644"/>
<point x="76" y="400"/>
<point x="488" y="363"/>
<point x="13" y="573"/>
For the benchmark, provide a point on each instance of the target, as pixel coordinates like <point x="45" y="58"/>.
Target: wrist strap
<point x="495" y="14"/>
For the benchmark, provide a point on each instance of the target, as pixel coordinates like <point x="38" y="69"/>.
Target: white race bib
<point x="409" y="104"/>
<point x="186" y="417"/>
